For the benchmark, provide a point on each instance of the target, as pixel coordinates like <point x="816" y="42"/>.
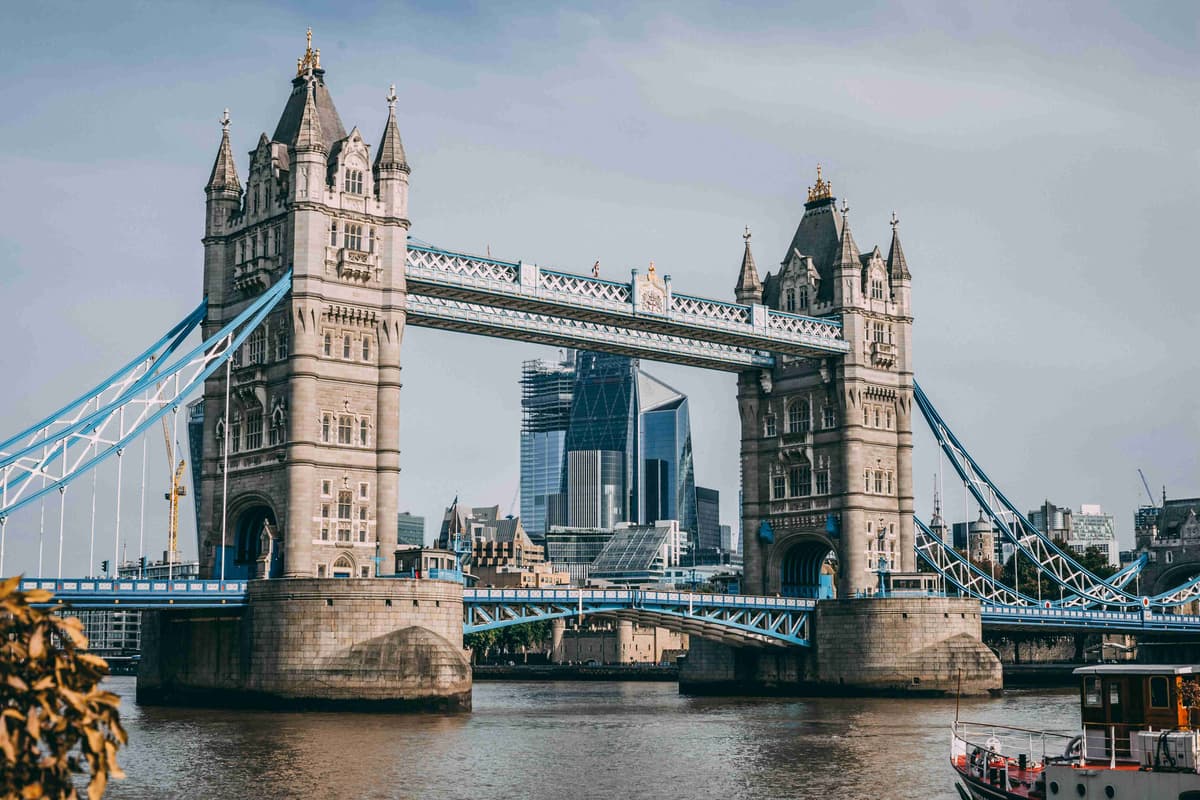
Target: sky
<point x="1042" y="158"/>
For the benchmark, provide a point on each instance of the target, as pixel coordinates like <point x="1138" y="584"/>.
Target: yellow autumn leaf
<point x="37" y="644"/>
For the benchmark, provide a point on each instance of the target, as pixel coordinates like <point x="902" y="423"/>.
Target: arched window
<point x="366" y="348"/>
<point x="346" y="346"/>
<point x="362" y="432"/>
<point x="343" y="567"/>
<point x="800" y="480"/>
<point x="799" y="416"/>
<point x="371" y="239"/>
<point x="790" y="304"/>
<point x="876" y="290"/>
<point x="256" y="346"/>
<point x="354" y="181"/>
<point x="327" y="344"/>
<point x="333" y="233"/>
<point x="354" y="237"/>
<point x="828" y="416"/>
<point x="804" y="298"/>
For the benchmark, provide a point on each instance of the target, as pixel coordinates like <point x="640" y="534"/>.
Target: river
<point x="567" y="741"/>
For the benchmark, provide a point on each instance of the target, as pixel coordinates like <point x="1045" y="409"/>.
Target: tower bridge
<point x="311" y="277"/>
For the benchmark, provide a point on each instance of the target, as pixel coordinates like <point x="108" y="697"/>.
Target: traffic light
<point x="142" y="566"/>
<point x="104" y="566"/>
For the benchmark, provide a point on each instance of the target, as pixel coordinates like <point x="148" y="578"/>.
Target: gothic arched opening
<point x="343" y="567"/>
<point x="801" y="568"/>
<point x="248" y="542"/>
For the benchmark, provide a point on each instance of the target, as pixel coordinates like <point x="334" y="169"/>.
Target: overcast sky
<point x="1042" y="158"/>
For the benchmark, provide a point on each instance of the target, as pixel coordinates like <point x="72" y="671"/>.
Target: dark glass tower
<point x="668" y="475"/>
<point x="599" y="479"/>
<point x="546" y="391"/>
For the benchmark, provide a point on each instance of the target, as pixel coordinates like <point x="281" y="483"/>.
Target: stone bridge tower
<point x="313" y="407"/>
<point x="826" y="450"/>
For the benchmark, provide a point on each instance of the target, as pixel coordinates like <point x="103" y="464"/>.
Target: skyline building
<point x="665" y="455"/>
<point x="547" y="388"/>
<point x="708" y="519"/>
<point x="410" y="529"/>
<point x="599" y="479"/>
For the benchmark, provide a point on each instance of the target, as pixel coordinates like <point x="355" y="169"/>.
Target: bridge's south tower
<point x="312" y="413"/>
<point x="827" y="444"/>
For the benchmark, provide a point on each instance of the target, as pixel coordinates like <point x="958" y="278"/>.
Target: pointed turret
<point x="897" y="266"/>
<point x="224" y="175"/>
<point x="391" y="165"/>
<point x="749" y="288"/>
<point x="391" y="150"/>
<point x="309" y="135"/>
<point x="847" y="255"/>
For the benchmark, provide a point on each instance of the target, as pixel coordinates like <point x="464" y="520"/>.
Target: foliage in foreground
<point x="54" y="719"/>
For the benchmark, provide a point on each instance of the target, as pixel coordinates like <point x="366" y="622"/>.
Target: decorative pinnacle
<point x="746" y="235"/>
<point x="311" y="58"/>
<point x="845" y="207"/>
<point x="225" y="121"/>
<point x="391" y="98"/>
<point x="820" y="190"/>
<point x="894" y="221"/>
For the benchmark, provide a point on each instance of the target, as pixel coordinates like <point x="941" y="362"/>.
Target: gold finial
<point x="821" y="190"/>
<point x="651" y="269"/>
<point x="311" y="58"/>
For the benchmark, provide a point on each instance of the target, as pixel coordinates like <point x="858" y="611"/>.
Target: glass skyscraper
<point x="668" y="475"/>
<point x="546" y="391"/>
<point x="603" y="443"/>
<point x="599" y="478"/>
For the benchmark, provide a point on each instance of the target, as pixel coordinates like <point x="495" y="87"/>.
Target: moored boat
<point x="1139" y="740"/>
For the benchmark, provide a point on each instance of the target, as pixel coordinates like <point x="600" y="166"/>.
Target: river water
<point x="568" y="741"/>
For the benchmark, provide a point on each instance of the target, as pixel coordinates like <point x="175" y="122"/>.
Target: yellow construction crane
<point x="178" y="490"/>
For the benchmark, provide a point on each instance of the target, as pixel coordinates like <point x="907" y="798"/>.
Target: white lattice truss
<point x="99" y="424"/>
<point x="439" y="312"/>
<point x="741" y="620"/>
<point x="1032" y="543"/>
<point x="486" y="281"/>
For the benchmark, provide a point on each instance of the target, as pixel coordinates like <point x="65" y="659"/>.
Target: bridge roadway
<point x="743" y="620"/>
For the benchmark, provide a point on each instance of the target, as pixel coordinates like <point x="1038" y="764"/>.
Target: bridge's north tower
<point x="312" y="413"/>
<point x="826" y="448"/>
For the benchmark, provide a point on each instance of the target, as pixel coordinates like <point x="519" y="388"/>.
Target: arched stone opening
<point x="255" y="532"/>
<point x="800" y="565"/>
<point x="343" y="567"/>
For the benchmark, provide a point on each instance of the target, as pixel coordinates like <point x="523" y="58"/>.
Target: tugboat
<point x="1140" y="741"/>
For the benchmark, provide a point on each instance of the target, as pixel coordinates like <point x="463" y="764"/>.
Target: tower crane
<point x="178" y="489"/>
<point x="1146" y="483"/>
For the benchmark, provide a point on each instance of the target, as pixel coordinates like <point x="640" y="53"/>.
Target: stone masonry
<point x="377" y="645"/>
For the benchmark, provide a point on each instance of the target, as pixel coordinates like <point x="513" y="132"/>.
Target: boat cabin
<point x="1119" y="701"/>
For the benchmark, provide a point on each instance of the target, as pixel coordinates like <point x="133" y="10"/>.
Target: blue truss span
<point x="747" y="620"/>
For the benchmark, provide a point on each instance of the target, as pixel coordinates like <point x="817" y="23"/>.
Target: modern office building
<point x="1052" y="520"/>
<point x="708" y="519"/>
<point x="665" y="453"/>
<point x="600" y="481"/>
<point x="574" y="550"/>
<point x="640" y="555"/>
<point x="410" y="530"/>
<point x="1091" y="527"/>
<point x="546" y="391"/>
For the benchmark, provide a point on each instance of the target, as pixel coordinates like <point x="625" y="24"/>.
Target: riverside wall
<point x="927" y="646"/>
<point x="347" y="644"/>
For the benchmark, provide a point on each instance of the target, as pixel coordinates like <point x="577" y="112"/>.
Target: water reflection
<point x="566" y="740"/>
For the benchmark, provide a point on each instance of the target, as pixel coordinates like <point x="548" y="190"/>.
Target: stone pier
<point x="896" y="646"/>
<point x="345" y="644"/>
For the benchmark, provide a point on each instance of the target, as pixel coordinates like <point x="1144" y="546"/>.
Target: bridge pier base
<point x="346" y="644"/>
<point x="859" y="647"/>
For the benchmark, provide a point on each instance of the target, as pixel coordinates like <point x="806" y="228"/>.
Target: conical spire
<point x="309" y="135"/>
<point x="391" y="150"/>
<point x="847" y="255"/>
<point x="224" y="172"/>
<point x="897" y="266"/>
<point x="749" y="287"/>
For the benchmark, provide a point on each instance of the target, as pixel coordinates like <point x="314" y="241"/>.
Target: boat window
<point x="1091" y="695"/>
<point x="1114" y="694"/>
<point x="1159" y="696"/>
